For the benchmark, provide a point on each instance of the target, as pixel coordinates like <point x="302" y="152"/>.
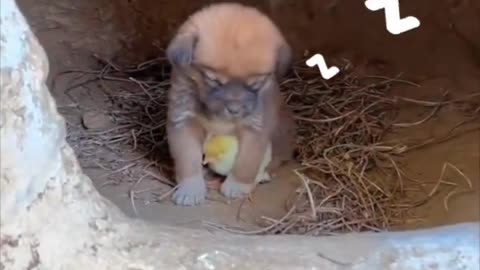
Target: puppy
<point x="226" y="60"/>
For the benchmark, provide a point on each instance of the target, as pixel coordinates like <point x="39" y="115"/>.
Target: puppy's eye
<point x="211" y="78"/>
<point x="257" y="82"/>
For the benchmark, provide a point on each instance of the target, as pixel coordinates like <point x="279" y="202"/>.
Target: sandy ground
<point x="66" y="43"/>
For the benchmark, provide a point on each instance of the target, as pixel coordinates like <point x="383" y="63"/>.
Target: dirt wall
<point x="446" y="43"/>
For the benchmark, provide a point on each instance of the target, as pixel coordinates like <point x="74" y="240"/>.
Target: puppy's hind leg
<point x="186" y="151"/>
<point x="283" y="140"/>
<point x="263" y="175"/>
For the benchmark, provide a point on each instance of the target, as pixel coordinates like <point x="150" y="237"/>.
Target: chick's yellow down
<point x="221" y="152"/>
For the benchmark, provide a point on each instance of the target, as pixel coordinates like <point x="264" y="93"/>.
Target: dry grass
<point x="133" y="147"/>
<point x="351" y="176"/>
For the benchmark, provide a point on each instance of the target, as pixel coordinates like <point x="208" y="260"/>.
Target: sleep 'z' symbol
<point x="326" y="72"/>
<point x="395" y="25"/>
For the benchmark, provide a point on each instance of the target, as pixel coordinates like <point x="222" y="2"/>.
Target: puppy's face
<point x="234" y="54"/>
<point x="230" y="97"/>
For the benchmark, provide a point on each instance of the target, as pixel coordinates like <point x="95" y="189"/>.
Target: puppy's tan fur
<point x="234" y="42"/>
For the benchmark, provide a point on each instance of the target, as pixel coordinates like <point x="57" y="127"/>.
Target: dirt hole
<point x="390" y="143"/>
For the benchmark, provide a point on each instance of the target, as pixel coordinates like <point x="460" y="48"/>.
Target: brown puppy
<point x="226" y="60"/>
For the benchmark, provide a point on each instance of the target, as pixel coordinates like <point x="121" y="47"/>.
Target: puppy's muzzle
<point x="238" y="100"/>
<point x="236" y="108"/>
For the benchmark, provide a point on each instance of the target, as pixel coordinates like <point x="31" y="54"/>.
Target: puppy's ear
<point x="284" y="60"/>
<point x="180" y="51"/>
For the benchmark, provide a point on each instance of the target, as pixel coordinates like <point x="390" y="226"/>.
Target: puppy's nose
<point x="235" y="109"/>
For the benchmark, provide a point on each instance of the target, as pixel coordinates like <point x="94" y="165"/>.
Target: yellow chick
<point x="220" y="154"/>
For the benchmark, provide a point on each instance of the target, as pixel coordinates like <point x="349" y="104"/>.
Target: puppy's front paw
<point x="263" y="178"/>
<point x="233" y="189"/>
<point x="191" y="191"/>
